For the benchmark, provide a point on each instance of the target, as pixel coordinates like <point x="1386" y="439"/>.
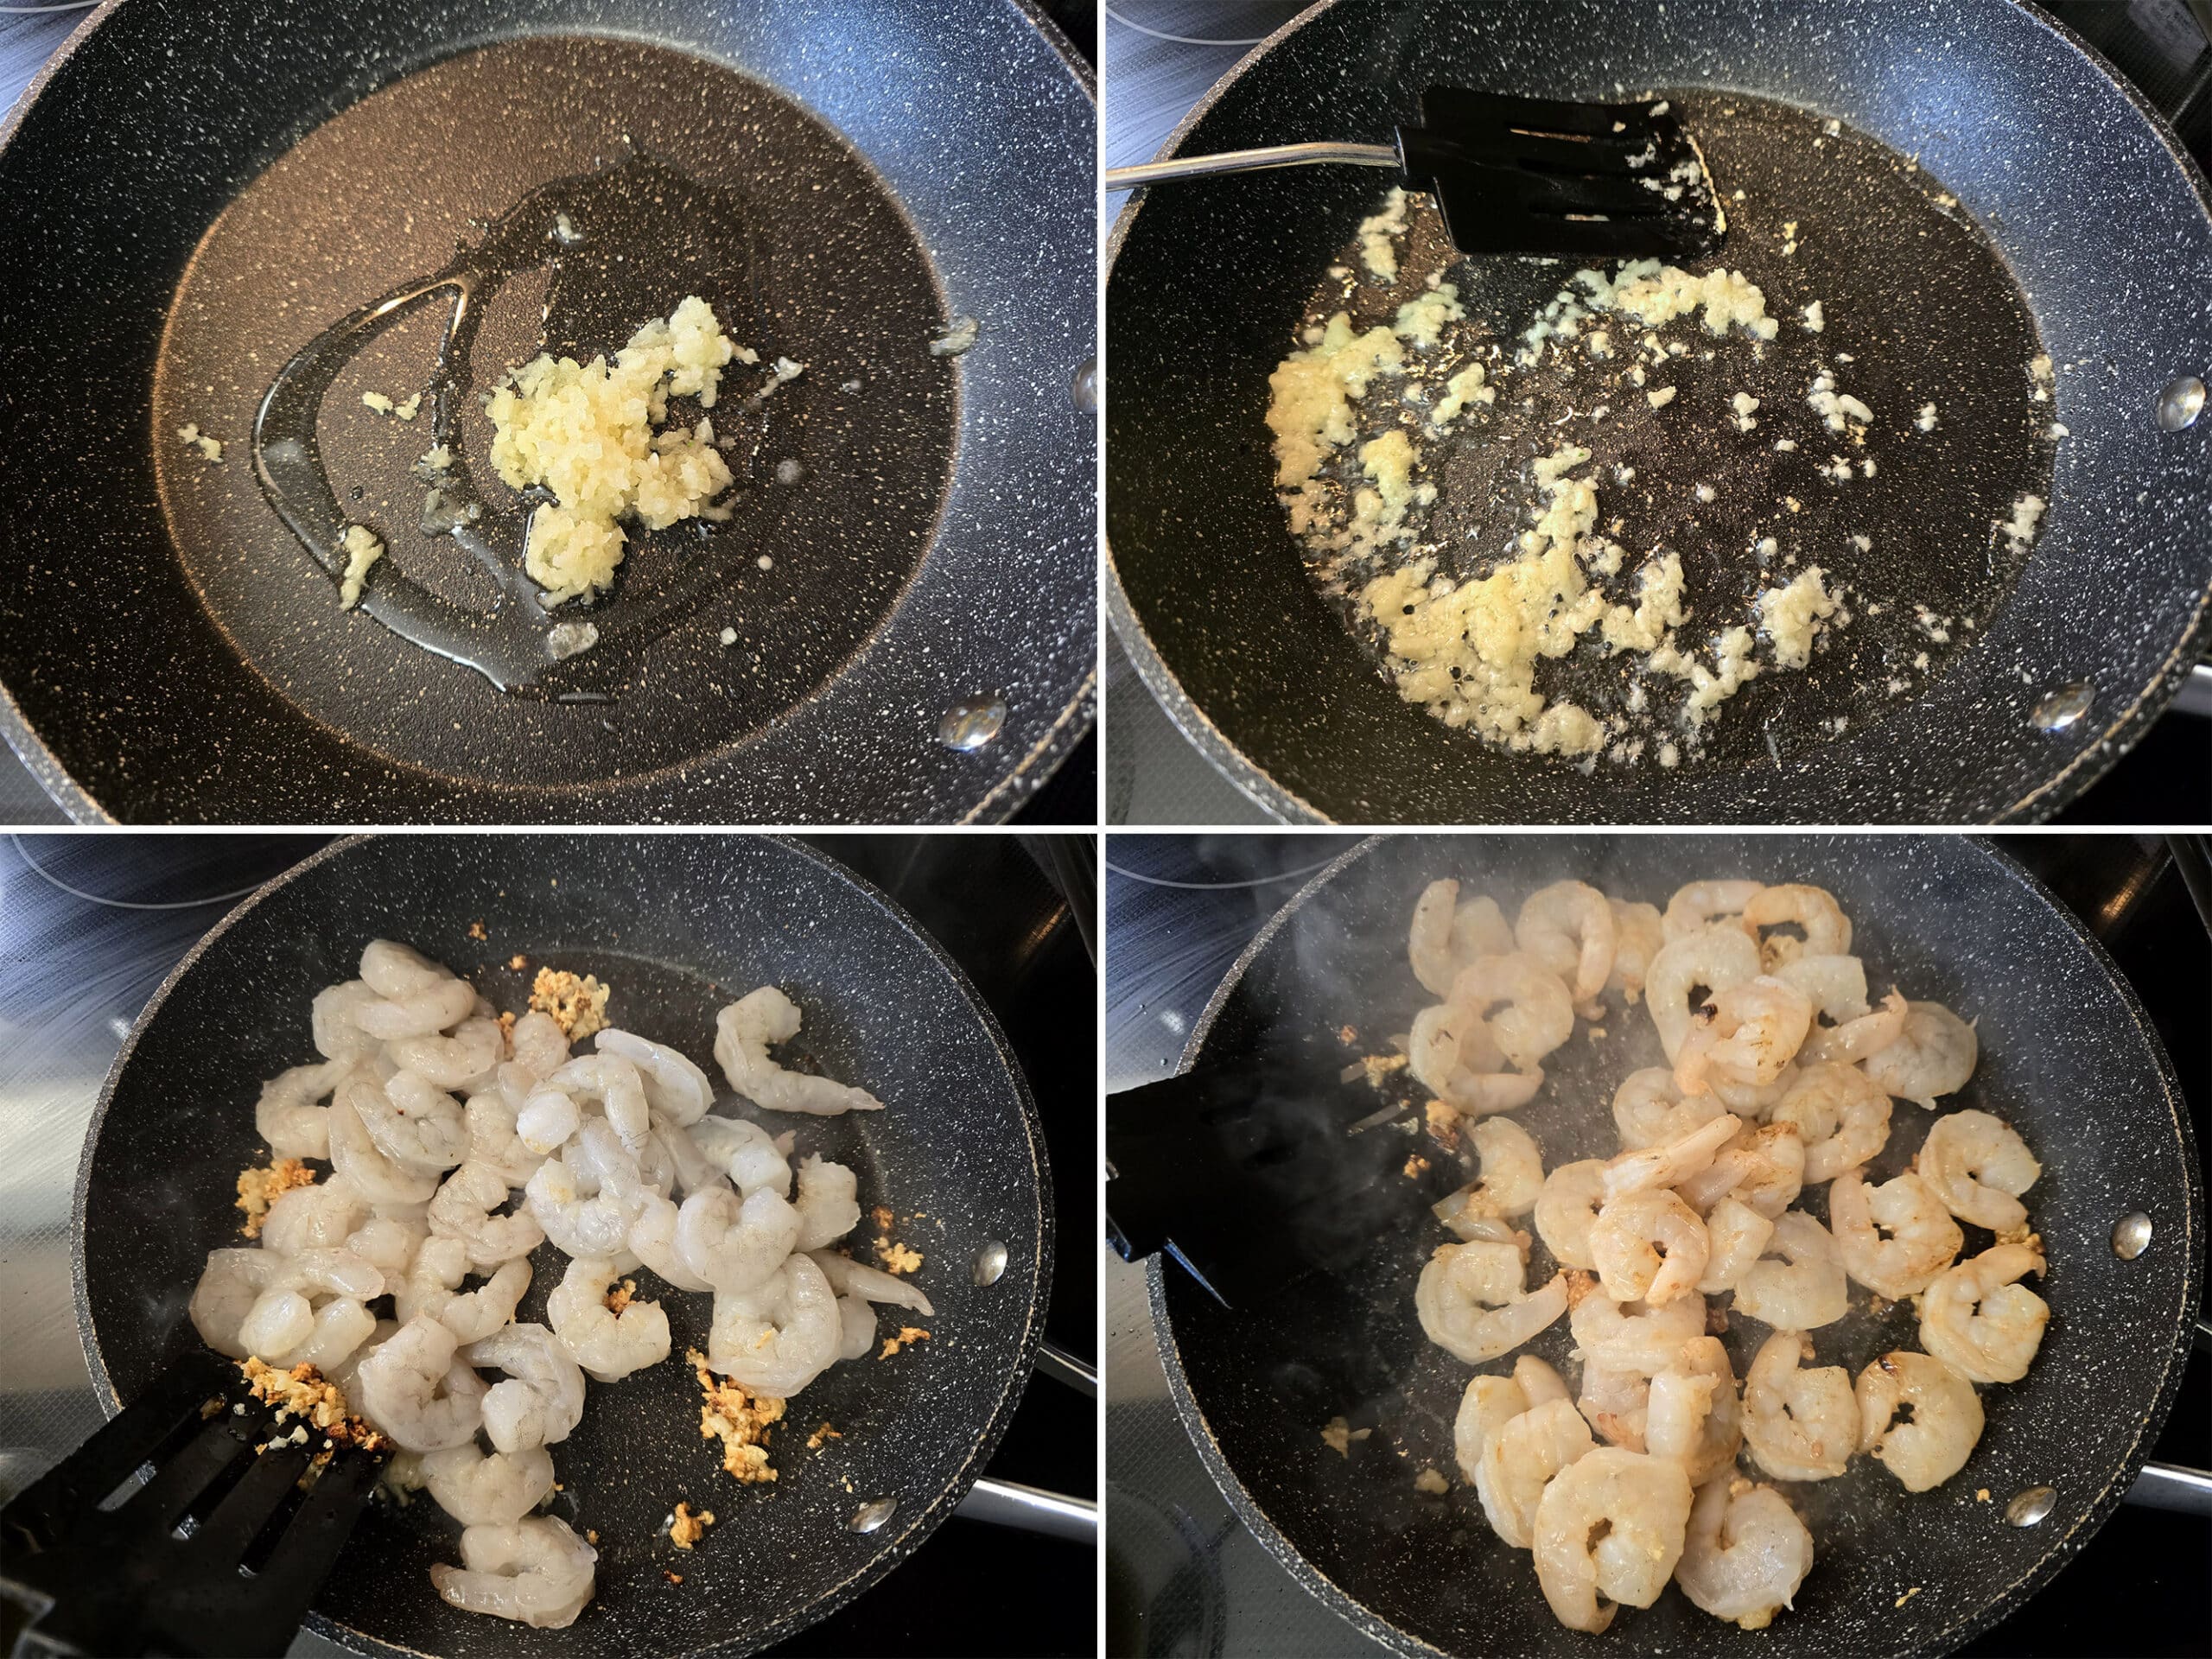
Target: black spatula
<point x="216" y="1554"/>
<point x="1523" y="174"/>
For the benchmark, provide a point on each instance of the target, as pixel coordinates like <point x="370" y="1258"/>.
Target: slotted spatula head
<point x="218" y="1552"/>
<point x="1535" y="175"/>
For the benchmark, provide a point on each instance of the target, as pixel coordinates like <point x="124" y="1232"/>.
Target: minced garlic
<point x="362" y="549"/>
<point x="1377" y="250"/>
<point x="685" y="1529"/>
<point x="577" y="1005"/>
<point x="897" y="1257"/>
<point x="210" y="448"/>
<point x="737" y="1417"/>
<point x="907" y="1335"/>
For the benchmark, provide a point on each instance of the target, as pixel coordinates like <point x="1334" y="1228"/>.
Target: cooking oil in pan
<point x="1710" y="447"/>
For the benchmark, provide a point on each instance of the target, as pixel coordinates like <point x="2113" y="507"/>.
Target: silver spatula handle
<point x="1250" y="160"/>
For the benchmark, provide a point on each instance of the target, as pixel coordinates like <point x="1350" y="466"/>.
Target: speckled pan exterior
<point x="677" y="926"/>
<point x="2105" y="222"/>
<point x="2067" y="1055"/>
<point x="170" y="653"/>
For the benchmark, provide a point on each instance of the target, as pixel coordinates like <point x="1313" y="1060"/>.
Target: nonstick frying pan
<point x="2067" y="1055"/>
<point x="196" y="193"/>
<point x="2104" y="223"/>
<point x="677" y="926"/>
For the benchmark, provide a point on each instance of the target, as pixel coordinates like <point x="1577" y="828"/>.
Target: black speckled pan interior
<point x="2103" y="222"/>
<point x="677" y="926"/>
<point x="2067" y="1056"/>
<point x="195" y="195"/>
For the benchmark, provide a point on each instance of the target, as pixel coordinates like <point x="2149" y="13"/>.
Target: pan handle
<point x="1009" y="1504"/>
<point x="1249" y="161"/>
<point x="2169" y="1486"/>
<point x="1063" y="1367"/>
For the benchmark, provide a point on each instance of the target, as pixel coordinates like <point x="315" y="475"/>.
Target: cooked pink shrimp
<point x="1977" y="1320"/>
<point x="1840" y="1114"/>
<point x="1894" y="1238"/>
<point x="1746" y="1033"/>
<point x="1979" y="1166"/>
<point x="1935" y="1442"/>
<point x="1703" y="904"/>
<point x="1639" y="936"/>
<point x="1568" y="928"/>
<point x="1814" y="911"/>
<point x="1649" y="1246"/>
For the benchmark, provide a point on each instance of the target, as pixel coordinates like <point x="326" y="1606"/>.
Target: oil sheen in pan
<point x="1911" y="291"/>
<point x="796" y="244"/>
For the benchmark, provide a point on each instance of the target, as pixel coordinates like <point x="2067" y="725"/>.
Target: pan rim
<point x="925" y="1521"/>
<point x="951" y="796"/>
<point x="2054" y="1559"/>
<point x="2089" y="763"/>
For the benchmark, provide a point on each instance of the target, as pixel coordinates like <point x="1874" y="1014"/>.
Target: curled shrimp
<point x="1746" y="1551"/>
<point x="1840" y="1113"/>
<point x="1979" y="1166"/>
<point x="541" y="1400"/>
<point x="414" y="1387"/>
<point x="317" y="1217"/>
<point x="651" y="1239"/>
<point x="1979" y="1321"/>
<point x="356" y="1156"/>
<point x="1935" y="1442"/>
<point x="827" y="1202"/>
<point x="468" y="1060"/>
<point x="1631" y="1335"/>
<point x="1490" y="1403"/>
<point x="1746" y="1034"/>
<point x="1451" y="1054"/>
<point x="609" y="1345"/>
<point x="1709" y="904"/>
<point x="580" y="1222"/>
<point x="612" y="1081"/>
<point x="1522" y="1459"/>
<point x="1650" y="1110"/>
<point x="479" y="1491"/>
<point x="745" y="1152"/>
<point x="1704" y="961"/>
<point x="1736" y="1237"/>
<point x="540" y="1048"/>
<point x="423" y="1012"/>
<point x="1512" y="1176"/>
<point x="1608" y="1529"/>
<point x="340" y="1326"/>
<point x="1800" y="1424"/>
<point x="432" y="1287"/>
<point x="1691" y="1411"/>
<point x="414" y="1123"/>
<point x="778" y="1338"/>
<point x="1894" y="1238"/>
<point x="1823" y="929"/>
<point x="388" y="1242"/>
<point x="1933" y="1056"/>
<point x="462" y="1209"/>
<point x="1802" y="1290"/>
<point x="1565" y="1207"/>
<point x="1671" y="1162"/>
<point x="1639" y="936"/>
<point x="1649" y="1246"/>
<point x="676" y="1089"/>
<point x="290" y="1116"/>
<point x="1568" y="928"/>
<point x="1428" y="942"/>
<point x="1763" y="1167"/>
<point x="1837" y="988"/>
<point x="1471" y="1303"/>
<point x="534" y="1571"/>
<point x="743" y="1031"/>
<point x="735" y="1243"/>
<point x="336" y="1026"/>
<point x="1526" y="1007"/>
<point x="1616" y="1401"/>
<point x="491" y="1138"/>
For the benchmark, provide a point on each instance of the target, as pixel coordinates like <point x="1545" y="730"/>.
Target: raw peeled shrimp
<point x="735" y="1244"/>
<point x="1451" y="1055"/>
<point x="651" y="1239"/>
<point x="1841" y="1116"/>
<point x="1670" y="1162"/>
<point x="1894" y="1238"/>
<point x="1746" y="1551"/>
<point x="607" y="1345"/>
<point x="675" y="1089"/>
<point x="388" y="1242"/>
<point x="491" y="1138"/>
<point x="1736" y="1236"/>
<point x="1568" y="927"/>
<point x="230" y="1285"/>
<point x="1977" y="1166"/>
<point x="1715" y="958"/>
<point x="743" y="1031"/>
<point x="342" y="1325"/>
<point x="1609" y="1525"/>
<point x="1522" y="1459"/>
<point x="1490" y="1403"/>
<point x="466" y="1060"/>
<point x="826" y="1204"/>
<point x="1565" y="1207"/>
<point x="851" y="1278"/>
<point x="1704" y="905"/>
<point x="1745" y="1034"/>
<point x="1648" y="1110"/>
<point x="612" y="1081"/>
<point x="1632" y="1336"/>
<point x="1649" y="1246"/>
<point x="1616" y="1401"/>
<point x="534" y="1571"/>
<point x="414" y="1124"/>
<point x="778" y="1338"/>
<point x="479" y="1491"/>
<point x="415" y="1389"/>
<point x="1979" y="1322"/>
<point x="1933" y="1056"/>
<point x="392" y="969"/>
<point x="855" y="1327"/>
<point x="1933" y="1444"/>
<point x="1524" y="1005"/>
<point x="1763" y="1167"/>
<point x="580" y="1223"/>
<point x="693" y="1169"/>
<point x="1639" y="936"/>
<point x="433" y="1008"/>
<point x="319" y="1216"/>
<point x="461" y="1209"/>
<point x="1691" y="1413"/>
<point x="547" y="1117"/>
<point x="745" y="1152"/>
<point x="1803" y="1294"/>
<point x="289" y="1115"/>
<point x="281" y="1318"/>
<point x="432" y="1286"/>
<point x="1480" y="929"/>
<point x="1800" y="1424"/>
<point x="357" y="1158"/>
<point x="1470" y="1302"/>
<point x="338" y="1034"/>
<point x="1512" y="1176"/>
<point x="1813" y="911"/>
<point x="543" y="1398"/>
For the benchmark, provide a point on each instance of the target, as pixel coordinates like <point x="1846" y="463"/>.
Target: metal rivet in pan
<point x="873" y="1513"/>
<point x="990" y="1262"/>
<point x="1084" y="387"/>
<point x="2180" y="403"/>
<point x="2130" y="1236"/>
<point x="970" y="724"/>
<point x="2030" y="1506"/>
<point x="2061" y="710"/>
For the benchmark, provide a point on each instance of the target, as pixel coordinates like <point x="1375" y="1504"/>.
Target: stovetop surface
<point x="75" y="969"/>
<point x="1184" y="1577"/>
